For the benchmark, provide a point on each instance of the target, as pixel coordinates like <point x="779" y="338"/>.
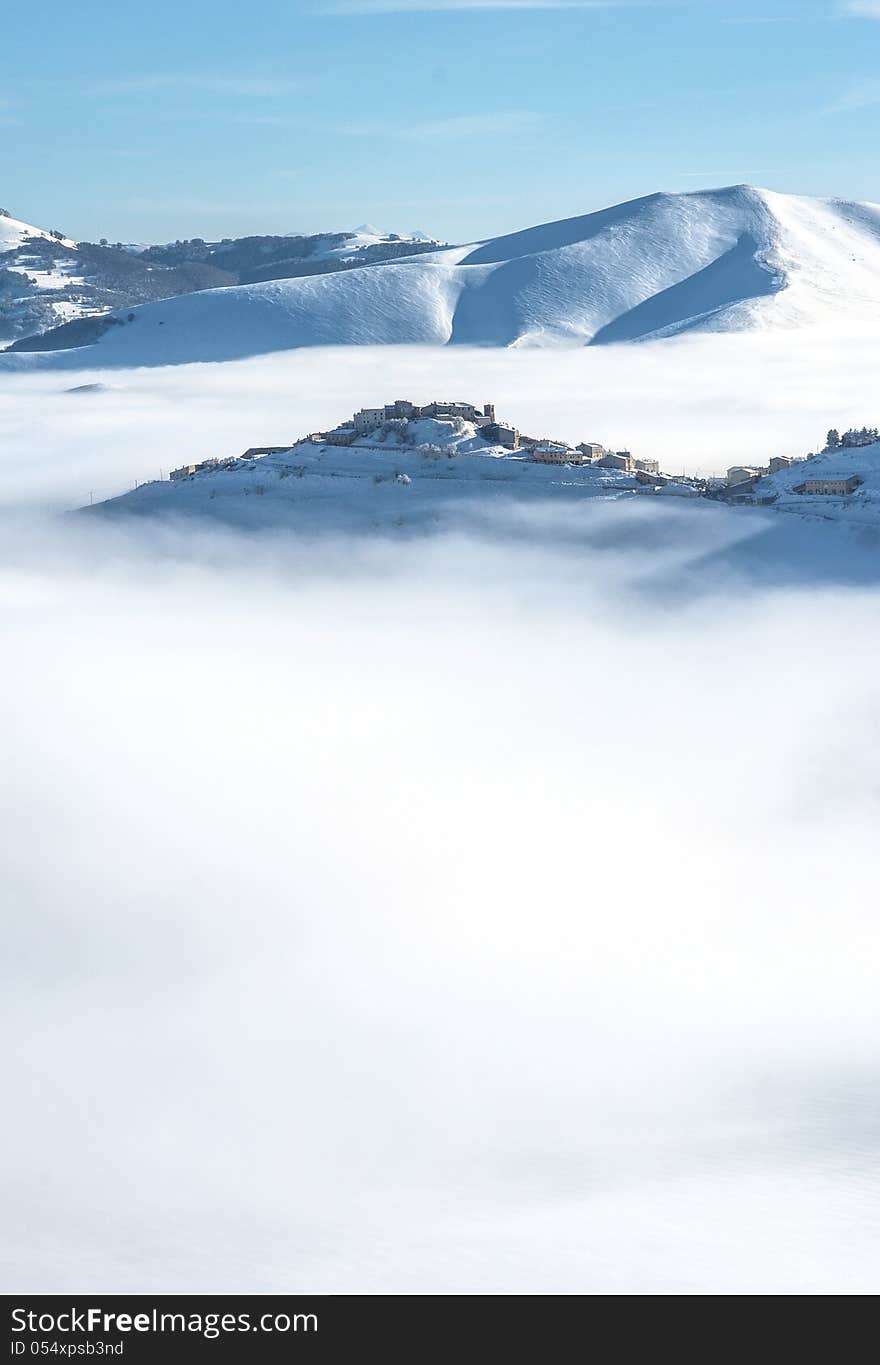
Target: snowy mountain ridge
<point x="733" y="259"/>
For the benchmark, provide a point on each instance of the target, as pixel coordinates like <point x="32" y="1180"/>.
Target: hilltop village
<point x="406" y="425"/>
<point x="458" y="442"/>
<point x="395" y="418"/>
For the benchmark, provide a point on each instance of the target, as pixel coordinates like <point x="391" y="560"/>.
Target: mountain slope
<point x="14" y="233"/>
<point x="433" y="472"/>
<point x="729" y="259"/>
<point x="48" y="280"/>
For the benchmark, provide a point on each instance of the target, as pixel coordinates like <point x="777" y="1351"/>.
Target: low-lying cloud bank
<point x="697" y="403"/>
<point x="433" y="917"/>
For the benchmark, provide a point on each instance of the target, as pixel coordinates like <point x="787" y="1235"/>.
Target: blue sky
<point x="462" y="117"/>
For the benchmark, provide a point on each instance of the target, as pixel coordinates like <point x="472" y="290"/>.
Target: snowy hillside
<point x="818" y="517"/>
<point x="721" y="260"/>
<point x="859" y="507"/>
<point x="251" y="260"/>
<point x="48" y="280"/>
<point x="454" y="481"/>
<point x="14" y="234"/>
<point x="36" y="275"/>
<point x="378" y="482"/>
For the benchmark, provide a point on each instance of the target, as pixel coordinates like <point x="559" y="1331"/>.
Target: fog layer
<point x="432" y="917"/>
<point x="698" y="404"/>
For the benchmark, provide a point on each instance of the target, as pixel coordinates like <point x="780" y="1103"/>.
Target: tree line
<point x="864" y="436"/>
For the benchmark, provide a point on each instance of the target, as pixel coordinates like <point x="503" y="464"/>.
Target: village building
<point x="554" y="452"/>
<point x="368" y="420"/>
<point x="832" y="488"/>
<point x="739" y="473"/>
<point x="744" y="491"/>
<point x="617" y="459"/>
<point x="647" y="466"/>
<point x="186" y="471"/>
<point x="442" y="408"/>
<point x="591" y="451"/>
<point x="780" y="462"/>
<point x="501" y="435"/>
<point x="401" y="407"/>
<point x="672" y="488"/>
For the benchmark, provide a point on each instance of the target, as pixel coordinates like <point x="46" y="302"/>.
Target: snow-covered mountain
<point x="48" y="280"/>
<point x="722" y="260"/>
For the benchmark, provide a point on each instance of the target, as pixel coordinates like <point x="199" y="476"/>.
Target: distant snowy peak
<point x="724" y="260"/>
<point x="371" y="244"/>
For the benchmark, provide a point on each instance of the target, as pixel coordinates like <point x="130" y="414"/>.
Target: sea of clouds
<point x="698" y="403"/>
<point x="464" y="914"/>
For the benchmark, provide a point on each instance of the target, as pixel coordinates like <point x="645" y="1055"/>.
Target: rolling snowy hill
<point x="859" y="508"/>
<point x="48" y="280"/>
<point x="451" y="480"/>
<point x="434" y="474"/>
<point x="14" y="233"/>
<point x="721" y="260"/>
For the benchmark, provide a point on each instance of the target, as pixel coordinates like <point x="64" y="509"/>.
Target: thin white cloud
<point x="453" y="129"/>
<point x="259" y="120"/>
<point x="860" y="95"/>
<point x="863" y="9"/>
<point x="233" y="86"/>
<point x="472" y="125"/>
<point x="451" y="6"/>
<point x="763" y="19"/>
<point x="8" y="115"/>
